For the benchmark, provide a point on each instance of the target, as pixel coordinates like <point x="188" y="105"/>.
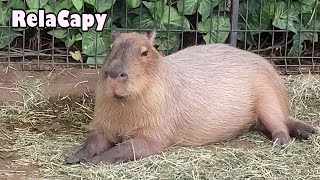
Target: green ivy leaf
<point x="219" y="29"/>
<point x="156" y="9"/>
<point x="70" y="41"/>
<point x="285" y="16"/>
<point x="307" y="2"/>
<point x="246" y="37"/>
<point x="101" y="5"/>
<point x="32" y="11"/>
<point x="298" y="39"/>
<point x="314" y="24"/>
<point x="7" y="36"/>
<point x="259" y="15"/>
<point x="36" y="4"/>
<point x="78" y="4"/>
<point x="18" y="29"/>
<point x="59" y="33"/>
<point x="95" y="42"/>
<point x="172" y="20"/>
<point x="145" y="23"/>
<point x="296" y="47"/>
<point x="4" y="18"/>
<point x="301" y="8"/>
<point x="61" y="5"/>
<point x="187" y="7"/>
<point x="166" y="41"/>
<point x="166" y="17"/>
<point x="267" y="11"/>
<point x="206" y="6"/>
<point x="95" y="60"/>
<point x="48" y="9"/>
<point x="133" y="3"/>
<point x="76" y="55"/>
<point x="15" y="4"/>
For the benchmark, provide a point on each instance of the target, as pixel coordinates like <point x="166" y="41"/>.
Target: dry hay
<point x="46" y="134"/>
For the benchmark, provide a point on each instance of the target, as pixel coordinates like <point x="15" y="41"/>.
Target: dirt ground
<point x="60" y="83"/>
<point x="10" y="171"/>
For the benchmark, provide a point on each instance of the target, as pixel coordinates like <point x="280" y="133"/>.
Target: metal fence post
<point x="234" y="21"/>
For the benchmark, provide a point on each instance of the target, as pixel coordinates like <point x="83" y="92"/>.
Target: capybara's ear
<point x="152" y="35"/>
<point x="114" y="35"/>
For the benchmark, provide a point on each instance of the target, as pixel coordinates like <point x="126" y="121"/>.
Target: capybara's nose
<point x="117" y="74"/>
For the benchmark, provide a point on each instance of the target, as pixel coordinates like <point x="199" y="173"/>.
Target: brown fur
<point x="200" y="95"/>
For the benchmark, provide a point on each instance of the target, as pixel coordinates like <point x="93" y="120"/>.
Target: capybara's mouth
<point x="118" y="96"/>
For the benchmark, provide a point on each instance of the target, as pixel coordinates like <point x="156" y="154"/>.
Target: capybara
<point x="146" y="102"/>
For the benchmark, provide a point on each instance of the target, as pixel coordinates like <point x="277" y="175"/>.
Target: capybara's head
<point x="130" y="65"/>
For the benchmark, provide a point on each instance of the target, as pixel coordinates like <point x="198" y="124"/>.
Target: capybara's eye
<point x="144" y="53"/>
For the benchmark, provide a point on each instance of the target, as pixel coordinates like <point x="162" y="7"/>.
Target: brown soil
<point x="8" y="168"/>
<point x="60" y="83"/>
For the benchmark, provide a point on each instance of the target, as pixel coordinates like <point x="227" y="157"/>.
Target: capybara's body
<point x="197" y="96"/>
<point x="202" y="94"/>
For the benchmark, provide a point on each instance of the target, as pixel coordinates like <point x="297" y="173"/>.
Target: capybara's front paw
<point x="280" y="138"/>
<point x="94" y="145"/>
<point x="82" y="155"/>
<point x="105" y="158"/>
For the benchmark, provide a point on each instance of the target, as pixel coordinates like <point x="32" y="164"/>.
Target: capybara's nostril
<point x="106" y="72"/>
<point x="123" y="76"/>
<point x="117" y="74"/>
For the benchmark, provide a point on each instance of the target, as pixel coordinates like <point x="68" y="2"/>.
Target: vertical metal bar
<point x="234" y="22"/>
<point x="259" y="31"/>
<point x="246" y="26"/>
<point x="140" y="20"/>
<point x="23" y="39"/>
<point x="272" y="41"/>
<point x="197" y="19"/>
<point x="38" y="42"/>
<point x="286" y="38"/>
<point x="210" y="18"/>
<point x="168" y="29"/>
<point x="81" y="32"/>
<point x="111" y="20"/>
<point x="126" y="28"/>
<point x="218" y="21"/>
<point x="314" y="32"/>
<point x="182" y="30"/>
<point x="9" y="53"/>
<point x="52" y="47"/>
<point x="68" y="32"/>
<point x="300" y="31"/>
<point x="96" y="39"/>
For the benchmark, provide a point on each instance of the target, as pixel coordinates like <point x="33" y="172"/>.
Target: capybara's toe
<point x="80" y="156"/>
<point x="71" y="160"/>
<point x="280" y="138"/>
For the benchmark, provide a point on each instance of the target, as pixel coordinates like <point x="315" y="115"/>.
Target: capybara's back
<point x="199" y="95"/>
<point x="220" y="91"/>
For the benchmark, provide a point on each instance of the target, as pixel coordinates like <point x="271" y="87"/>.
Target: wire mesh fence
<point x="283" y="31"/>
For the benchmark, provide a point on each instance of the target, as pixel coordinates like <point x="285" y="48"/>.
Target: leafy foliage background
<point x="180" y="23"/>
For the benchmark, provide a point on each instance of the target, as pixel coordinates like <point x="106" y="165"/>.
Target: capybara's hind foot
<point x="299" y="129"/>
<point x="280" y="138"/>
